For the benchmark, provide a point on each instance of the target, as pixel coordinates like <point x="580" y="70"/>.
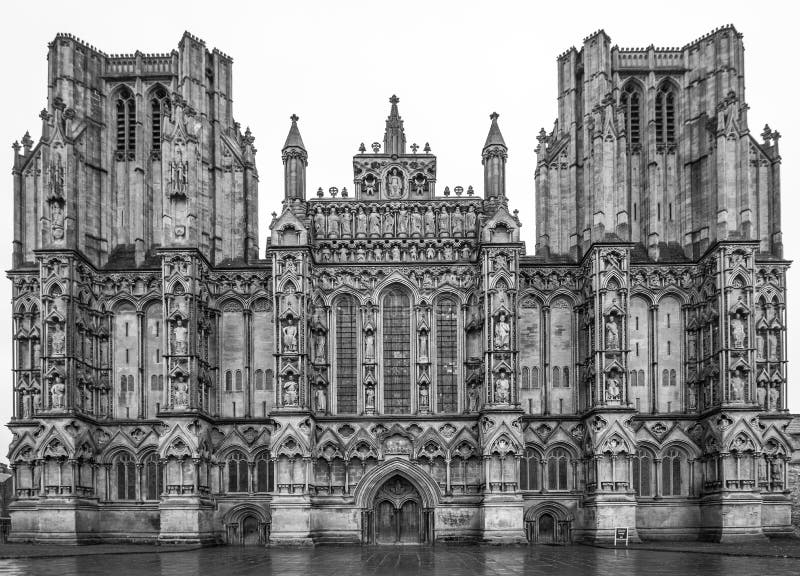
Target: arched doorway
<point x="548" y="523"/>
<point x="547" y="528"/>
<point x="397" y="513"/>
<point x="251" y="532"/>
<point x="247" y="525"/>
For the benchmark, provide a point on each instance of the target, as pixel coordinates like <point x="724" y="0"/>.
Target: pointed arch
<point x="630" y="101"/>
<point x="125" y="122"/>
<point x="666" y="112"/>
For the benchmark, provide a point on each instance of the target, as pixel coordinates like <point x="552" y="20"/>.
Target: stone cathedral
<point x="397" y="366"/>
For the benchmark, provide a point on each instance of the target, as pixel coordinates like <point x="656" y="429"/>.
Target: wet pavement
<point x="383" y="561"/>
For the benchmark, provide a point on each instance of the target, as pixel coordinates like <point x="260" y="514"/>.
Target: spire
<point x="495" y="138"/>
<point x="294" y="140"/>
<point x="295" y="160"/>
<point x="394" y="139"/>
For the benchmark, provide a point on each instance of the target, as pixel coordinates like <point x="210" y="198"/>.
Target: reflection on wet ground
<point x="431" y="561"/>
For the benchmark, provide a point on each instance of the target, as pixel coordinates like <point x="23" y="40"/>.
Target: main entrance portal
<point x="397" y="514"/>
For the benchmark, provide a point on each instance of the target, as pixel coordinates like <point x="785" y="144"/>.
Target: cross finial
<point x="294" y="117"/>
<point x="414" y="148"/>
<point x="394" y="99"/>
<point x="494" y="115"/>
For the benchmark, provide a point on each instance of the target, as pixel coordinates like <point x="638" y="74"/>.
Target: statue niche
<point x="395" y="184"/>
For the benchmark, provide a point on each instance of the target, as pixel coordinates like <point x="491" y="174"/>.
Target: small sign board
<point x="620" y="534"/>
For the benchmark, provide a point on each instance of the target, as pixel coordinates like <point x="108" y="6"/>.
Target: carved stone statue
<point x="319" y="223"/>
<point x="416" y="222"/>
<point x="737" y="388"/>
<point x="290" y="392"/>
<point x="612" y="333"/>
<point x="430" y="222"/>
<point x="374" y="223"/>
<point x="457" y="222"/>
<point x="424" y="399"/>
<point x="772" y="339"/>
<point x="346" y="223"/>
<point x="395" y="184"/>
<point x="761" y="345"/>
<point x="57" y="221"/>
<point x="402" y="221"/>
<point x="369" y="398"/>
<point x="774" y="397"/>
<point x="502" y="332"/>
<point x="57" y="390"/>
<point x="444" y="222"/>
<point x="737" y="331"/>
<point x="473" y="398"/>
<point x="369" y="346"/>
<point x="502" y="388"/>
<point x="761" y="396"/>
<point x="58" y="340"/>
<point x="333" y="223"/>
<point x="388" y="223"/>
<point x="423" y="344"/>
<point x="691" y="393"/>
<point x="321" y="399"/>
<point x="290" y="337"/>
<point x="319" y="346"/>
<point x="469" y="220"/>
<point x="361" y="222"/>
<point x="181" y="340"/>
<point x="181" y="392"/>
<point x="612" y="388"/>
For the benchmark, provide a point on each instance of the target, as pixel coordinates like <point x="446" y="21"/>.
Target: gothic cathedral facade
<point x="396" y="367"/>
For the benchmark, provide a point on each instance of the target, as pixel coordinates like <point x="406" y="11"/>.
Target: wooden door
<point x="250" y="532"/>
<point x="385" y="523"/>
<point x="409" y="529"/>
<point x="547" y="528"/>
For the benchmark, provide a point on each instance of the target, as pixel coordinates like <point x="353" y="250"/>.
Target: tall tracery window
<point x="237" y="472"/>
<point x="126" y="124"/>
<point x="396" y="352"/>
<point x="159" y="107"/>
<point x="346" y="355"/>
<point x="643" y="473"/>
<point x="264" y="473"/>
<point x="154" y="480"/>
<point x="665" y="114"/>
<point x="631" y="102"/>
<point x="125" y="468"/>
<point x="671" y="472"/>
<point x="530" y="470"/>
<point x="558" y="470"/>
<point x="446" y="355"/>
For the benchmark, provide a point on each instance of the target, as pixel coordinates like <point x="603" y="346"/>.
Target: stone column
<point x="659" y="487"/>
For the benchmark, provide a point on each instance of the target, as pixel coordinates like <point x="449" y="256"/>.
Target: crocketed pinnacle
<point x="394" y="139"/>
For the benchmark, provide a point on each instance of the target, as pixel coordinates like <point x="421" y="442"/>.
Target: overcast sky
<point x="335" y="64"/>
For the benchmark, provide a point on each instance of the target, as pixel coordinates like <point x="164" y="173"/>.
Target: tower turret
<point x="494" y="156"/>
<point x="295" y="160"/>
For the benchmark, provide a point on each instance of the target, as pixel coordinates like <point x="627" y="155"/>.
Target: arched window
<point x="396" y="352"/>
<point x="630" y="100"/>
<point x="671" y="472"/>
<point x="634" y="381"/>
<point x="159" y="107"/>
<point x="237" y="472"/>
<point x="526" y="378"/>
<point x="556" y="377"/>
<point x="153" y="478"/>
<point x="643" y="473"/>
<point x="259" y="377"/>
<point x="665" y="115"/>
<point x="446" y="355"/>
<point x="665" y="377"/>
<point x="238" y="380"/>
<point x="558" y="470"/>
<point x="160" y="382"/>
<point x="154" y="382"/>
<point x="264" y="473"/>
<point x="530" y="470"/>
<point x="642" y="381"/>
<point x="566" y="377"/>
<point x="673" y="377"/>
<point x="346" y="355"/>
<point x="535" y="376"/>
<point x="125" y="468"/>
<point x="268" y="378"/>
<point x="126" y="124"/>
<point x="228" y="381"/>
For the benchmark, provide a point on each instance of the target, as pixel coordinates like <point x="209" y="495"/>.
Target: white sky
<point x="335" y="64"/>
